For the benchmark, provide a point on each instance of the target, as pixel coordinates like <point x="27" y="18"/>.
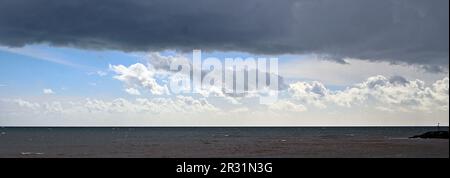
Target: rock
<point x="433" y="134"/>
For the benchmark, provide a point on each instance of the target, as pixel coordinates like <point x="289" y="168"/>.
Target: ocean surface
<point x="207" y="142"/>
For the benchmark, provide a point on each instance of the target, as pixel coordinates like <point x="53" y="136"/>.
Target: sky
<point x="340" y="63"/>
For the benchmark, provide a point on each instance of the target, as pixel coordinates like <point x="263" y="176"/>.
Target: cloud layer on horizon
<point x="394" y="94"/>
<point x="398" y="31"/>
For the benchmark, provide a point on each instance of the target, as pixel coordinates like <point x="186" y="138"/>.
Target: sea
<point x="220" y="142"/>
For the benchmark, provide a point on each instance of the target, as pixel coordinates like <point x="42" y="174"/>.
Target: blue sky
<point x="75" y="72"/>
<point x="84" y="83"/>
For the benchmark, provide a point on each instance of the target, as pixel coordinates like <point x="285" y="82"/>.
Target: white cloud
<point x="156" y="75"/>
<point x="139" y="75"/>
<point x="180" y="104"/>
<point x="52" y="107"/>
<point x="132" y="91"/>
<point x="312" y="93"/>
<point x="27" y="104"/>
<point x="48" y="91"/>
<point x="395" y="93"/>
<point x="376" y="101"/>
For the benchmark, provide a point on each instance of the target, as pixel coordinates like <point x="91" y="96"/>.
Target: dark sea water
<point x="221" y="142"/>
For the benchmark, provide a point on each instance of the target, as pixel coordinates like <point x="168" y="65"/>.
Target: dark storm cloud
<point x="412" y="31"/>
